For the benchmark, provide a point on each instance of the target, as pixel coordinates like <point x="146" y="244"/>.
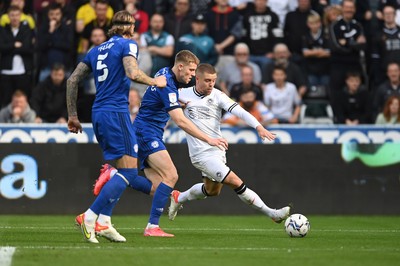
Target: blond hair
<point x="313" y="17"/>
<point x="186" y="57"/>
<point x="122" y="22"/>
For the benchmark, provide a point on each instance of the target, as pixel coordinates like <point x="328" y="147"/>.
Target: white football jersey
<point x="205" y="112"/>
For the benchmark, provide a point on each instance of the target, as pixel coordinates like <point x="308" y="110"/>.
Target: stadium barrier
<point x="45" y="170"/>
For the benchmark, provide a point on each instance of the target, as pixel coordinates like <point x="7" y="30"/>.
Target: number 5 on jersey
<point x="102" y="66"/>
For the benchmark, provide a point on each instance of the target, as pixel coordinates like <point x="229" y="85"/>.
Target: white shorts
<point x="212" y="166"/>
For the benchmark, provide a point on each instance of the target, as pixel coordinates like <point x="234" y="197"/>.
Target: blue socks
<point x="139" y="183"/>
<point x="110" y="194"/>
<point x="161" y="197"/>
<point x="136" y="181"/>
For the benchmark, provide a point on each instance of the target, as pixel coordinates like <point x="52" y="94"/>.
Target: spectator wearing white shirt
<point x="282" y="98"/>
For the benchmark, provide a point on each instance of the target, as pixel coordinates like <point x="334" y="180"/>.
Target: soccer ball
<point x="297" y="225"/>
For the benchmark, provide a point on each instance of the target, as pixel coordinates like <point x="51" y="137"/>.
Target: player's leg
<point x="118" y="142"/>
<point x="198" y="191"/>
<point x="251" y="198"/>
<point x="104" y="225"/>
<point x="107" y="199"/>
<point x="141" y="183"/>
<point x="127" y="173"/>
<point x="213" y="170"/>
<point x="162" y="168"/>
<point x="103" y="206"/>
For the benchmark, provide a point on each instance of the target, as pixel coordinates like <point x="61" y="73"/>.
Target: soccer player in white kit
<point x="204" y="105"/>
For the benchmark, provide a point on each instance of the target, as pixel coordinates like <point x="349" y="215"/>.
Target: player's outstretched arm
<point x="81" y="71"/>
<point x="264" y="133"/>
<point x="179" y="118"/>
<point x="253" y="122"/>
<point x="133" y="72"/>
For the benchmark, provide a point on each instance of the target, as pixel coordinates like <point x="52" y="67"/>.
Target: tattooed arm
<point x="81" y="71"/>
<point x="133" y="72"/>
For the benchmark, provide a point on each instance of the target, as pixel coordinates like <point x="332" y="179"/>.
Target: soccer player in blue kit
<point x="158" y="105"/>
<point x="114" y="65"/>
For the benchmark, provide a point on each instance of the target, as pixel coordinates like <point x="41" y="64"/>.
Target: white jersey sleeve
<point x="233" y="107"/>
<point x="245" y="116"/>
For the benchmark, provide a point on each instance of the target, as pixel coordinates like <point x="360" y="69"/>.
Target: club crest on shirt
<point x="154" y="144"/>
<point x="173" y="99"/>
<point x="135" y="148"/>
<point x="210" y="101"/>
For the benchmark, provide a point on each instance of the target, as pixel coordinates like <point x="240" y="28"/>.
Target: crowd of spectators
<point x="281" y="51"/>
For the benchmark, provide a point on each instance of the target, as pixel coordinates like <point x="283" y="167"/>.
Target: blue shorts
<point x="114" y="133"/>
<point x="149" y="143"/>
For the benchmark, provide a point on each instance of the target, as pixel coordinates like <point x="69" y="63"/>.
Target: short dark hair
<point x="57" y="66"/>
<point x="205" y="68"/>
<point x="353" y="74"/>
<point x="102" y="2"/>
<point x="54" y="6"/>
<point x="279" y="67"/>
<point x="13" y="8"/>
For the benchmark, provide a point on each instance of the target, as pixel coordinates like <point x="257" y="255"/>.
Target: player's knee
<point x="130" y="174"/>
<point x="213" y="192"/>
<point x="171" y="178"/>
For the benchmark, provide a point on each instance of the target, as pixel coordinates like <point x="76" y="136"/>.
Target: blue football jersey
<point x="112" y="85"/>
<point x="156" y="103"/>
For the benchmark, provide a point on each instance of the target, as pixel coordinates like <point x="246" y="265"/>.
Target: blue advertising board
<point x="286" y="134"/>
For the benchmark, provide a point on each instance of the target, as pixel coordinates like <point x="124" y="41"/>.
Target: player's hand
<point x="74" y="126"/>
<point x="183" y="104"/>
<point x="220" y="143"/>
<point x="265" y="134"/>
<point x="161" y="81"/>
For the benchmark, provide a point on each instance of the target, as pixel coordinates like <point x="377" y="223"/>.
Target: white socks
<point x="104" y="219"/>
<point x="248" y="196"/>
<point x="151" y="226"/>
<point x="90" y="216"/>
<point x="251" y="198"/>
<point x="193" y="193"/>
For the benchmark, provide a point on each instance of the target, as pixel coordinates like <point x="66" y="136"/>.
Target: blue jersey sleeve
<point x="130" y="48"/>
<point x="169" y="97"/>
<point x="87" y="60"/>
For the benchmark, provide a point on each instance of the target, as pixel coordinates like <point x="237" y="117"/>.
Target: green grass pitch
<point x="206" y="240"/>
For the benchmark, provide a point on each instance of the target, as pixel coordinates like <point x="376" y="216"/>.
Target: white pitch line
<point x="122" y="247"/>
<point x="6" y="254"/>
<point x="212" y="229"/>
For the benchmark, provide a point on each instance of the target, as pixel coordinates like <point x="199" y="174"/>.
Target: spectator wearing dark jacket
<point x="295" y="28"/>
<point x="388" y="88"/>
<point x="16" y="51"/>
<point x="353" y="102"/>
<point x="224" y="26"/>
<point x="48" y="97"/>
<point x="55" y="42"/>
<point x="178" y="22"/>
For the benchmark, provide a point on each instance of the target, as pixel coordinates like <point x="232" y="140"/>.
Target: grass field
<point x="206" y="240"/>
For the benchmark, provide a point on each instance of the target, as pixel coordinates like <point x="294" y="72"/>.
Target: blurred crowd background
<point x="285" y="61"/>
